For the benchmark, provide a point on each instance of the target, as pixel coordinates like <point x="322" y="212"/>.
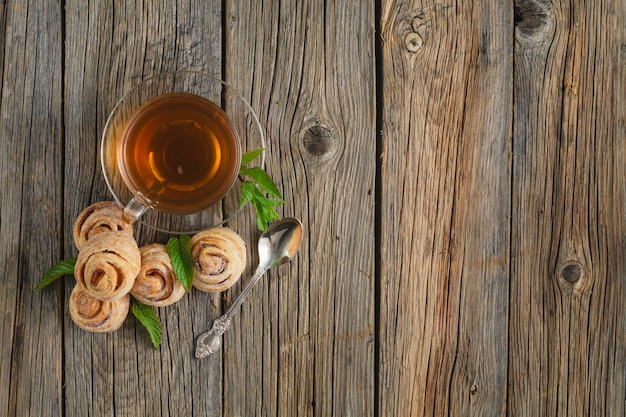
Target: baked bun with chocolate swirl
<point x="156" y="284"/>
<point x="219" y="257"/>
<point x="108" y="265"/>
<point x="101" y="217"/>
<point x="95" y="315"/>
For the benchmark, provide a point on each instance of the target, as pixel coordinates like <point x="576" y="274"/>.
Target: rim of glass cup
<point x="119" y="104"/>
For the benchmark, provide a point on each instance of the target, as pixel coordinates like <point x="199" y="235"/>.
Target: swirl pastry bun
<point x="108" y="265"/>
<point x="95" y="315"/>
<point x="219" y="257"/>
<point x="104" y="216"/>
<point x="156" y="284"/>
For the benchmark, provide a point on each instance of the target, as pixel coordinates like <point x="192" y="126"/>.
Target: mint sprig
<point x="260" y="191"/>
<point x="179" y="250"/>
<point x="64" y="267"/>
<point x="248" y="157"/>
<point x="149" y="319"/>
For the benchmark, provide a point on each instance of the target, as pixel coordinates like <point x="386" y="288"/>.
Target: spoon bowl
<point x="277" y="246"/>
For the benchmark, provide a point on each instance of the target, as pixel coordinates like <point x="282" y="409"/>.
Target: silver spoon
<point x="277" y="245"/>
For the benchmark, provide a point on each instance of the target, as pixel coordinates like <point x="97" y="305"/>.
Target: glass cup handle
<point x="136" y="207"/>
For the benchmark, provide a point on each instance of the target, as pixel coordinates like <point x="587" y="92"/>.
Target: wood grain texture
<point x="568" y="250"/>
<point x="30" y="203"/>
<point x="445" y="202"/>
<point x="304" y="344"/>
<point x="109" y="48"/>
<point x="494" y="195"/>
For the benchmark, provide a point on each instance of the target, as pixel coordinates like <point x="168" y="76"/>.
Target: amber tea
<point x="179" y="151"/>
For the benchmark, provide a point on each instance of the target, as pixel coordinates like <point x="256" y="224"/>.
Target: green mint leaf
<point x="265" y="214"/>
<point x="148" y="317"/>
<point x="64" y="267"/>
<point x="179" y="250"/>
<point x="261" y="191"/>
<point x="248" y="193"/>
<point x="185" y="251"/>
<point x="263" y="206"/>
<point x="269" y="202"/>
<point x="263" y="180"/>
<point x="248" y="157"/>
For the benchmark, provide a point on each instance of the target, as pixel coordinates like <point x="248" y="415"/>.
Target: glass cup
<point x="171" y="151"/>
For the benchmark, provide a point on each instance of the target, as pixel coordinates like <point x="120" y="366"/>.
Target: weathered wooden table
<point x="459" y="169"/>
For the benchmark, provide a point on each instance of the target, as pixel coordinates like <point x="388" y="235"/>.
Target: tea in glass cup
<point x="180" y="152"/>
<point x="171" y="151"/>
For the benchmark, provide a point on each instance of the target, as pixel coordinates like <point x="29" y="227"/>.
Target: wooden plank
<point x="30" y="204"/>
<point x="110" y="47"/>
<point x="303" y="342"/>
<point x="445" y="207"/>
<point x="568" y="353"/>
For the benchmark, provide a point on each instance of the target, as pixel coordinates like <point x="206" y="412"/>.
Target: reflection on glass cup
<point x="170" y="154"/>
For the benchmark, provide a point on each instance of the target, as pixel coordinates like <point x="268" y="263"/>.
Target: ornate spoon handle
<point x="210" y="342"/>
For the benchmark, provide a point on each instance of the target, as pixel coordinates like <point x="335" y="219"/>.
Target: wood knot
<point x="533" y="19"/>
<point x="413" y="42"/>
<point x="410" y="31"/>
<point x="572" y="272"/>
<point x="318" y="140"/>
